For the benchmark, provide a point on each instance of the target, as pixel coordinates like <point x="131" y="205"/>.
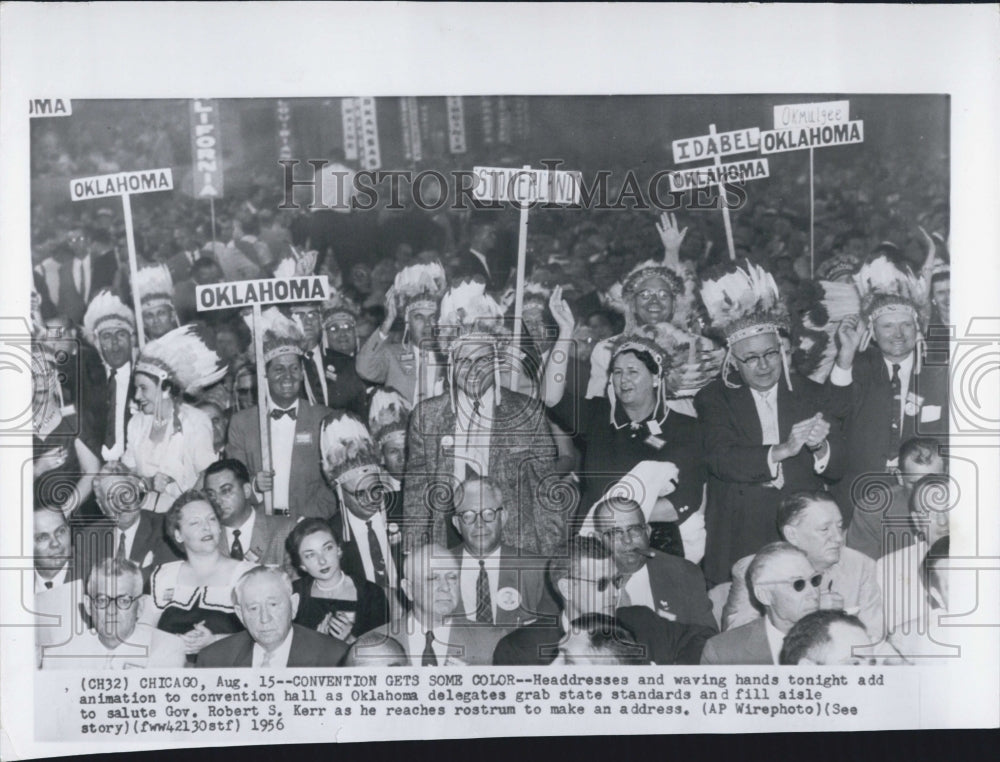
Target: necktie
<point x="378" y="560"/>
<point x="484" y="605"/>
<point x="120" y="553"/>
<point x="48" y="584"/>
<point x="70" y="302"/>
<point x="429" y="658"/>
<point x="109" y="432"/>
<point x="266" y="661"/>
<point x="897" y="394"/>
<point x="237" y="549"/>
<point x="278" y="412"/>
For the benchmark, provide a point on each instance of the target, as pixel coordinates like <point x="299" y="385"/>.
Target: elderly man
<point x="265" y="604"/>
<point x="764" y="437"/>
<point x="499" y="585"/>
<point x="589" y="584"/>
<point x="113" y="603"/>
<point x="826" y="637"/>
<point x="812" y="522"/>
<point x="250" y="533"/>
<point x="787" y="586"/>
<point x="434" y="633"/>
<point x="375" y="649"/>
<point x="294" y="480"/>
<point x="672" y="587"/>
<point x="128" y="532"/>
<point x="53" y="549"/>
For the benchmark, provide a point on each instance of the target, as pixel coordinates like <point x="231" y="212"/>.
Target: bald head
<point x="376" y="649"/>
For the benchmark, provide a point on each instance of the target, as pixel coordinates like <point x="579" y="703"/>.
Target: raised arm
<point x="554" y="382"/>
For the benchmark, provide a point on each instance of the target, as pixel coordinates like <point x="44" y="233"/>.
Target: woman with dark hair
<point x="330" y="601"/>
<point x="631" y="425"/>
<point x="169" y="442"/>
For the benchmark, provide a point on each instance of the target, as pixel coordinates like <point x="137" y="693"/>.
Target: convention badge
<point x="654" y="428"/>
<point x="304" y="438"/>
<point x="406" y="357"/>
<point x="252" y="555"/>
<point x="331" y="373"/>
<point x="655" y="441"/>
<point x="913" y="403"/>
<point x="392" y="530"/>
<point x="508" y="598"/>
<point x="448" y="442"/>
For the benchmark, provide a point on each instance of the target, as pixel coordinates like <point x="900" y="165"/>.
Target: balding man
<point x="672" y="587"/>
<point x="435" y="632"/>
<point x="812" y="522"/>
<point x="787" y="586"/>
<point x="824" y="637"/>
<point x="266" y="605"/>
<point x="375" y="649"/>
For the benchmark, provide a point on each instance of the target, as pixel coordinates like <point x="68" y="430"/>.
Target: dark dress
<point x="371" y="609"/>
<point x="182" y="607"/>
<point x="55" y="487"/>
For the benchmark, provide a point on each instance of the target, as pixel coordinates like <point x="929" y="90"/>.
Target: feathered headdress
<point x="468" y="313"/>
<point x="745" y="303"/>
<point x="680" y="280"/>
<point x="282" y="336"/>
<point x="106" y="311"/>
<point x="183" y="357"/>
<point x="339" y="308"/>
<point x="419" y="286"/>
<point x="296" y="265"/>
<point x="838" y="266"/>
<point x="154" y="286"/>
<point x="346" y="445"/>
<point x="387" y="414"/>
<point x="817" y="310"/>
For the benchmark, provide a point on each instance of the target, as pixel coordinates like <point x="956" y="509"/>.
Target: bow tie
<point x="278" y="412"/>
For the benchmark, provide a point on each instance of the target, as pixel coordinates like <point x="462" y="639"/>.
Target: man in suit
<point x="72" y="275"/>
<point x="433" y="633"/>
<point x="825" y="637"/>
<point x="53" y="554"/>
<point x="127" y="531"/>
<point x="670" y="586"/>
<point x="763" y="440"/>
<point x="482" y="259"/>
<point x="787" y="586"/>
<point x="588" y="583"/>
<point x="812" y="522"/>
<point x="250" y="533"/>
<point x="203" y="272"/>
<point x="295" y="480"/>
<point x="182" y="262"/>
<point x="265" y="604"/>
<point x="891" y="392"/>
<point x="498" y="584"/>
<point x="477" y="425"/>
<point x="315" y="386"/>
<point x="344" y="387"/>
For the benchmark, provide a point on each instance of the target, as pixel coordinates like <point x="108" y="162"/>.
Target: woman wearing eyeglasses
<point x="331" y="601"/>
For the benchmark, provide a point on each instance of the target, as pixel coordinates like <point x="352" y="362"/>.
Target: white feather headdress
<point x="106" y="311"/>
<point x="154" y="286"/>
<point x="282" y="336"/>
<point x="182" y="356"/>
<point x="345" y="444"/>
<point x="885" y="284"/>
<point x="387" y="413"/>
<point x="419" y="286"/>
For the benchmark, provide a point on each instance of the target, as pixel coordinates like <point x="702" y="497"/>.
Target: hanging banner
<point x="371" y="157"/>
<point x="404" y="121"/>
<point x="416" y="141"/>
<point x="206" y="149"/>
<point x="456" y="125"/>
<point x="347" y="121"/>
<point x="489" y="119"/>
<point x="284" y="131"/>
<point x="503" y="120"/>
<point x="425" y="122"/>
<point x="521" y="129"/>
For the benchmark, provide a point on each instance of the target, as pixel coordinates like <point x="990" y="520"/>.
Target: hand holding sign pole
<point x="124" y="184"/>
<point x="254" y="294"/>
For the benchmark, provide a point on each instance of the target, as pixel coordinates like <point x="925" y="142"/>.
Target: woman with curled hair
<point x="192" y="598"/>
<point x="331" y="601"/>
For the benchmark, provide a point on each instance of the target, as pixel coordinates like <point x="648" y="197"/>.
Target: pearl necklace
<point x="336" y="585"/>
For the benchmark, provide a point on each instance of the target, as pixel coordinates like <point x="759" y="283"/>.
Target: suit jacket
<point x="267" y="542"/>
<point x="869" y="403"/>
<point x="388" y="362"/>
<point x="103" y="268"/>
<point x="524" y="573"/>
<point x="351" y="561"/>
<point x="308" y="492"/>
<point x="96" y="541"/>
<point x="309" y="649"/>
<point x="665" y="642"/>
<point x="741" y="511"/>
<point x="472" y="644"/>
<point x="743" y="645"/>
<point x="521" y="461"/>
<point x="680" y="585"/>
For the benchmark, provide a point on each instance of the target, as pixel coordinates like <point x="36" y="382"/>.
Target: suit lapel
<point x="756" y="645"/>
<point x="244" y="657"/>
<point x="141" y="544"/>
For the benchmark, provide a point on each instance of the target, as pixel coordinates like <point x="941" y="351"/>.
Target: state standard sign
<point x="247" y="293"/>
<point x="527" y="185"/>
<point x="121" y="184"/>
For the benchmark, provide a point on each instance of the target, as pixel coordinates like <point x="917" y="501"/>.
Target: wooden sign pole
<point x="133" y="265"/>
<point x="262" y="406"/>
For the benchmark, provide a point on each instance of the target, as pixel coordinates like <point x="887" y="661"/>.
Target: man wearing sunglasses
<point x="588" y="583"/>
<point x="787" y="587"/>
<point x="812" y="522"/>
<point x="113" y="602"/>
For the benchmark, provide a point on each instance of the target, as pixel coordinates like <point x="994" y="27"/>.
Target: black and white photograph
<point x="547" y="405"/>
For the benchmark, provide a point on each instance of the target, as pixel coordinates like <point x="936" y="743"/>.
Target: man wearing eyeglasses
<point x="499" y="584"/>
<point x="787" y="586"/>
<point x="764" y="439"/>
<point x="812" y="522"/>
<point x="670" y="586"/>
<point x="588" y="583"/>
<point x="310" y="319"/>
<point x="113" y="602"/>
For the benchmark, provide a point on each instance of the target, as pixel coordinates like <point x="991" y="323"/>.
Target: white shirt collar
<point x="279" y="657"/>
<point x="58" y="579"/>
<point x="129" y="536"/>
<point x="775" y="639"/>
<point x="770" y="395"/>
<point x="492" y="557"/>
<point x="272" y="406"/>
<point x="246" y="531"/>
<point x="905" y="366"/>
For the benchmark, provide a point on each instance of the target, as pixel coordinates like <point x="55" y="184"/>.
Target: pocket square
<point x="930" y="413"/>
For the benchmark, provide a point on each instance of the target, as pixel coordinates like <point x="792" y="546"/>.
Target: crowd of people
<point x="667" y="457"/>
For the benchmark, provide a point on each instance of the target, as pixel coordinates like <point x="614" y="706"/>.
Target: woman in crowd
<point x="330" y="601"/>
<point x="631" y="425"/>
<point x="192" y="599"/>
<point x="170" y="441"/>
